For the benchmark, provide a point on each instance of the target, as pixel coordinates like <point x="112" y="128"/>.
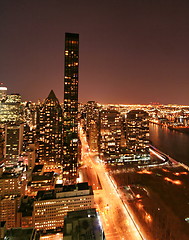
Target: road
<point x="117" y="219"/>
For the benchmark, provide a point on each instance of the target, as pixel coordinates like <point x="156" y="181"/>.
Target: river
<point x="171" y="142"/>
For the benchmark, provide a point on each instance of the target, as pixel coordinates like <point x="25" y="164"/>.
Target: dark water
<point x="171" y="142"/>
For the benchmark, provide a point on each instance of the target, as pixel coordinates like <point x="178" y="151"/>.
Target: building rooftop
<point x="37" y="169"/>
<point x="21" y="234"/>
<point x="83" y="224"/>
<point x="51" y="194"/>
<point x="46" y="176"/>
<point x="9" y="175"/>
<point x="76" y="187"/>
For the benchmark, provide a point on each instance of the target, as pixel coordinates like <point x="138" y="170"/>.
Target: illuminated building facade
<point x="11" y="188"/>
<point x="71" y="72"/>
<point x="1" y="142"/>
<point x="11" y="184"/>
<point x="30" y="156"/>
<point x="93" y="136"/>
<point x="50" y="132"/>
<point x="10" y="106"/>
<point x="91" y="125"/>
<point x="51" y="206"/>
<point x="137" y="135"/>
<point x="39" y="182"/>
<point x="110" y="135"/>
<point x="8" y="210"/>
<point x="13" y="143"/>
<point x="3" y="93"/>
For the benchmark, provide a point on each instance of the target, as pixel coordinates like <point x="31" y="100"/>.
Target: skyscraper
<point x="110" y="136"/>
<point x="137" y="136"/>
<point x="13" y="143"/>
<point x="10" y="105"/>
<point x="50" y="132"/>
<point x="3" y="92"/>
<point x="71" y="70"/>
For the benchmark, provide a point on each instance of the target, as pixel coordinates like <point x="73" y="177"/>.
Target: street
<point x="117" y="220"/>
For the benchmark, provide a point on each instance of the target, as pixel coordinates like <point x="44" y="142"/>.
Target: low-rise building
<point x="8" y="210"/>
<point x="51" y="206"/>
<point x="41" y="182"/>
<point x="11" y="184"/>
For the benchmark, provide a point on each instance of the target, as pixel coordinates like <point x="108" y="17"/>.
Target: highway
<point x="117" y="219"/>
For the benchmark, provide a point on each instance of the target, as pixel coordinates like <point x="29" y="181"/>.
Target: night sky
<point x="131" y="51"/>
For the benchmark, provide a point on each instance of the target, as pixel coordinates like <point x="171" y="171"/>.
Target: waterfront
<point x="171" y="142"/>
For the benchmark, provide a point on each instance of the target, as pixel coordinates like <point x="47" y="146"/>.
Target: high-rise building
<point x="137" y="136"/>
<point x="3" y="92"/>
<point x="1" y="142"/>
<point x="50" y="132"/>
<point x="8" y="210"/>
<point x="11" y="184"/>
<point x="71" y="72"/>
<point x="13" y="143"/>
<point x="91" y="124"/>
<point x="12" y="187"/>
<point x="10" y="106"/>
<point x="110" y="136"/>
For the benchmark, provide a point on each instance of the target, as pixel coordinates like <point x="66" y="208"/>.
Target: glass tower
<point x="71" y="107"/>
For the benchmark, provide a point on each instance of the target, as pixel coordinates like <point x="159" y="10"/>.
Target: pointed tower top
<point x="52" y="98"/>
<point x="52" y="95"/>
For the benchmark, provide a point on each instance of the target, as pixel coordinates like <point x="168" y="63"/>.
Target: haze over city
<point x="130" y="51"/>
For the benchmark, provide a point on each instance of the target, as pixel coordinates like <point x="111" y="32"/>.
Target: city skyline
<point x="129" y="52"/>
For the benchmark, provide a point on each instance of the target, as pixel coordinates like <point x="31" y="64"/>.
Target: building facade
<point x="137" y="136"/>
<point x="10" y="106"/>
<point x="12" y="188"/>
<point x="71" y="71"/>
<point x="110" y="136"/>
<point x="50" y="132"/>
<point x="51" y="206"/>
<point x="13" y="143"/>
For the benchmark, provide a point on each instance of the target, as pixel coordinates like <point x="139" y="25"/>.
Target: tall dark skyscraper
<point x="71" y="107"/>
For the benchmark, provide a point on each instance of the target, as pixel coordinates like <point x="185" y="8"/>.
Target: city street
<point x="118" y="223"/>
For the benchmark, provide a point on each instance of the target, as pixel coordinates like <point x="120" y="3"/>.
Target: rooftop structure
<point x="83" y="224"/>
<point x="22" y="234"/>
